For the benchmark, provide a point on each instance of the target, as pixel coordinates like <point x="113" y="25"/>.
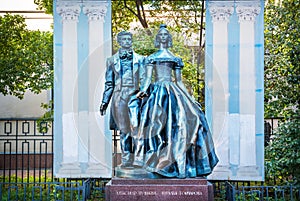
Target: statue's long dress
<point x="174" y="137"/>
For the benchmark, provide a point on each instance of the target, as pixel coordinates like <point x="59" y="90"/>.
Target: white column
<point x="247" y="13"/>
<point x="97" y="65"/>
<point x="220" y="13"/>
<point x="69" y="13"/>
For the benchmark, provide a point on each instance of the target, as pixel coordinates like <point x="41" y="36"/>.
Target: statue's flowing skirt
<point x="174" y="139"/>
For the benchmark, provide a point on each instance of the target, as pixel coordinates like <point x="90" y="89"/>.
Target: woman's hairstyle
<point x="123" y="33"/>
<point x="157" y="40"/>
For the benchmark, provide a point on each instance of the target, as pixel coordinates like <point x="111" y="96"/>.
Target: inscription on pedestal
<point x="164" y="193"/>
<point x="159" y="189"/>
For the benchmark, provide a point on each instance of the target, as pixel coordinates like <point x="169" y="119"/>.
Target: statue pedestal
<point x="191" y="189"/>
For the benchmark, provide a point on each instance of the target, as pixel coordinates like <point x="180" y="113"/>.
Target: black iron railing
<point x="26" y="149"/>
<point x="26" y="168"/>
<point x="261" y="192"/>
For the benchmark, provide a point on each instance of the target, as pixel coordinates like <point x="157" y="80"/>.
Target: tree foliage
<point x="121" y="18"/>
<point x="45" y="5"/>
<point x="26" y="60"/>
<point x="282" y="86"/>
<point x="184" y="15"/>
<point x="282" y="155"/>
<point x="282" y="60"/>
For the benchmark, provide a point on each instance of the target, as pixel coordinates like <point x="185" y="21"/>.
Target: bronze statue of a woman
<point x="174" y="139"/>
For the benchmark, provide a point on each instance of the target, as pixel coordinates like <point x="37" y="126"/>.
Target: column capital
<point x="95" y="11"/>
<point x="247" y="12"/>
<point x="220" y="11"/>
<point x="68" y="10"/>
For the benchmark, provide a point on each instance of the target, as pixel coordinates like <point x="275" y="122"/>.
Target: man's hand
<point x="103" y="107"/>
<point x="141" y="94"/>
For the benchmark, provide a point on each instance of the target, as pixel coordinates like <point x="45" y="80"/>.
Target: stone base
<point x="95" y="170"/>
<point x="119" y="189"/>
<point x="236" y="173"/>
<point x="251" y="171"/>
<point x="69" y="170"/>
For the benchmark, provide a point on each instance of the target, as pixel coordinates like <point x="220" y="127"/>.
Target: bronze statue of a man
<point x="124" y="72"/>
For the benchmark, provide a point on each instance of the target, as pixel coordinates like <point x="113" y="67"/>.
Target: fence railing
<point x="26" y="168"/>
<point x="26" y="149"/>
<point x="261" y="192"/>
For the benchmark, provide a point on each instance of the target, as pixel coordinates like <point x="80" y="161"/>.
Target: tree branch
<point x="125" y="4"/>
<point x="140" y="15"/>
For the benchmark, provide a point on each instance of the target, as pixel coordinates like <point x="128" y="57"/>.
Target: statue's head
<point x="122" y="36"/>
<point x="163" y="31"/>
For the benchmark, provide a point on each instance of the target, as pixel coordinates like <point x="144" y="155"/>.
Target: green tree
<point x="26" y="60"/>
<point x="282" y="59"/>
<point x="45" y="5"/>
<point x="282" y="155"/>
<point x="282" y="86"/>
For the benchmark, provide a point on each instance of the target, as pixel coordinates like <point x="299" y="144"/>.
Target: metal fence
<point x="234" y="193"/>
<point x="26" y="149"/>
<point x="26" y="159"/>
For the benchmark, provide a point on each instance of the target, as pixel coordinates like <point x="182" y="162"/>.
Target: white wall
<point x="29" y="106"/>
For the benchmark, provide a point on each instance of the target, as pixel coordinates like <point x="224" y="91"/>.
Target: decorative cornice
<point x="247" y="12"/>
<point x="68" y="11"/>
<point x="95" y="11"/>
<point x="220" y="12"/>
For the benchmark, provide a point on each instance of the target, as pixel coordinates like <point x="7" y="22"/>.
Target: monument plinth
<point x="190" y="189"/>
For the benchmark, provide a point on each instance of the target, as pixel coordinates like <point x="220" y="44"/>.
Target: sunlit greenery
<point x="283" y="156"/>
<point x="282" y="58"/>
<point x="282" y="86"/>
<point x="26" y="57"/>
